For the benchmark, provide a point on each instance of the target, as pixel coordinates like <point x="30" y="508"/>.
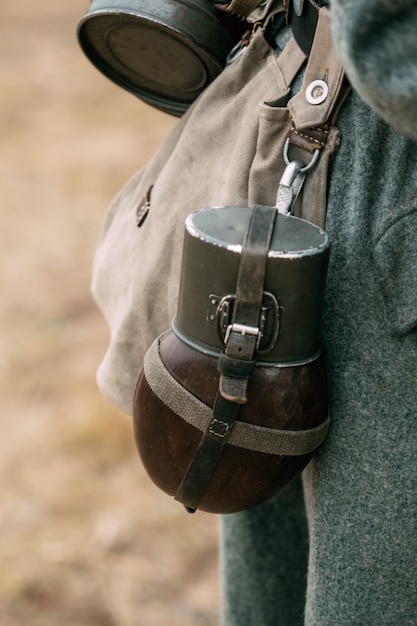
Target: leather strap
<point x="242" y="341"/>
<point x="243" y="335"/>
<point x="302" y="16"/>
<point x="208" y="453"/>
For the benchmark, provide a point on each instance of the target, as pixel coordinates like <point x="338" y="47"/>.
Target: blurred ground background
<point x="85" y="538"/>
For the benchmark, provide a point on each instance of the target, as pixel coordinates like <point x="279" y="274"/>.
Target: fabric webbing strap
<point x="244" y="435"/>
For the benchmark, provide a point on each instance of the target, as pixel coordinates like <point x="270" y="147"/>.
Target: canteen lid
<point x="293" y="288"/>
<point x="227" y="226"/>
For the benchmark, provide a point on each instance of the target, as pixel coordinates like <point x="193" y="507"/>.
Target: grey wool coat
<point x="339" y="547"/>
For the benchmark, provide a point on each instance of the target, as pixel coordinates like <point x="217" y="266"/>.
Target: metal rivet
<point x="317" y="92"/>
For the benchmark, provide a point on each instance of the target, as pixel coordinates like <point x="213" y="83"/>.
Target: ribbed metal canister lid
<point x="164" y="51"/>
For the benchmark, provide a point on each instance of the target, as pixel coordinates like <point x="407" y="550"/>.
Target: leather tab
<point x="234" y="377"/>
<point x="310" y="139"/>
<point x="234" y="389"/>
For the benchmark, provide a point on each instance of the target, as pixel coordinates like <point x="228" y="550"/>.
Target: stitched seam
<point x="313" y="139"/>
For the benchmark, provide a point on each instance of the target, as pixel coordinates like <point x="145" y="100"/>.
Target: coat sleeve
<point x="377" y="43"/>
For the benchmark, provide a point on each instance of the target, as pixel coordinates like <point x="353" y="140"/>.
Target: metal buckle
<point x="243" y="330"/>
<point x="220" y="312"/>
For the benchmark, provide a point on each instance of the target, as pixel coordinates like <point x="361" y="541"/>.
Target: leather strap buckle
<point x="243" y="330"/>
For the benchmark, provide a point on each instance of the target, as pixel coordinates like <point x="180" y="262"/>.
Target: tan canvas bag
<point x="226" y="150"/>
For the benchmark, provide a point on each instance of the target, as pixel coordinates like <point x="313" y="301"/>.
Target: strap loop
<point x="232" y="367"/>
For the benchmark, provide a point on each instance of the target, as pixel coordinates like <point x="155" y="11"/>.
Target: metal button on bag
<point x="317" y="92"/>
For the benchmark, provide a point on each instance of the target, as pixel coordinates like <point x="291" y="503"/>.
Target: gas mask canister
<point x="164" y="51"/>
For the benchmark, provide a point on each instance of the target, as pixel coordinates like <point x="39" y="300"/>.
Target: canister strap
<point x="244" y="435"/>
<point x="243" y="335"/>
<point x="242" y="341"/>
